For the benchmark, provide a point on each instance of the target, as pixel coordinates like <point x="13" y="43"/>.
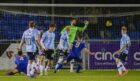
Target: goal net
<point x="102" y="34"/>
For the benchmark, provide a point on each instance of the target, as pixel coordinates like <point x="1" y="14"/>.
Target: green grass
<point x="65" y="75"/>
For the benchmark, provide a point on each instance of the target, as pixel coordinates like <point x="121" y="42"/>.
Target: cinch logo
<point x="110" y="56"/>
<point x="105" y="56"/>
<point x="137" y="56"/>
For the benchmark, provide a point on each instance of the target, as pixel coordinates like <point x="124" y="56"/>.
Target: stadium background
<point x="102" y="34"/>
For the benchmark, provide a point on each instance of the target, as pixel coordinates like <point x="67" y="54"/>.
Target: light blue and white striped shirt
<point x="125" y="40"/>
<point x="30" y="37"/>
<point x="47" y="40"/>
<point x="63" y="43"/>
<point x="38" y="32"/>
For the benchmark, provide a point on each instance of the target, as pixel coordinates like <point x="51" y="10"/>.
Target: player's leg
<point x="30" y="67"/>
<point x="49" y="57"/>
<point x="60" y="61"/>
<point x="123" y="59"/>
<point x="79" y="65"/>
<point x="71" y="65"/>
<point x="13" y="72"/>
<point x="120" y="65"/>
<point x="36" y="63"/>
<point x="68" y="58"/>
<point x="29" y="64"/>
<point x="42" y="64"/>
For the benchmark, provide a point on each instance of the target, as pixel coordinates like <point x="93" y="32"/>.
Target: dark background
<point x="75" y="1"/>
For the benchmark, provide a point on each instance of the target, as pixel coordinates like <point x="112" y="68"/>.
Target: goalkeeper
<point x="72" y="34"/>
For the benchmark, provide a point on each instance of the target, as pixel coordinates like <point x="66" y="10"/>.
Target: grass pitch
<point x="65" y="75"/>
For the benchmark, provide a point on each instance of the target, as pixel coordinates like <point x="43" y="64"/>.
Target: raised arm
<point x="88" y="51"/>
<point x="82" y="29"/>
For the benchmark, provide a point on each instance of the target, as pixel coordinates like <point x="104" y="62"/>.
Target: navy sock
<point x="59" y="66"/>
<point x="79" y="68"/>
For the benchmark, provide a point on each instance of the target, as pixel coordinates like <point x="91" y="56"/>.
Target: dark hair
<point x="72" y="19"/>
<point x="52" y="25"/>
<point x="32" y="24"/>
<point x="19" y="53"/>
<point x="80" y="35"/>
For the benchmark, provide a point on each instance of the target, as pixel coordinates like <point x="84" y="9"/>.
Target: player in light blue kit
<point x="125" y="44"/>
<point x="75" y="52"/>
<point x="21" y="64"/>
<point x="47" y="42"/>
<point x="63" y="47"/>
<point x="30" y="38"/>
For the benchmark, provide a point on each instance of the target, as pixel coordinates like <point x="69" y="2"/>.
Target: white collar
<point x="31" y="29"/>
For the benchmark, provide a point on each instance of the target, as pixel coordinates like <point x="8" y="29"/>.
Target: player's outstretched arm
<point x="89" y="52"/>
<point x="82" y="29"/>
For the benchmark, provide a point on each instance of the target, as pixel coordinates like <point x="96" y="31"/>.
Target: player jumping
<point x="75" y="52"/>
<point x="30" y="38"/>
<point x="47" y="42"/>
<point x="123" y="52"/>
<point x="72" y="34"/>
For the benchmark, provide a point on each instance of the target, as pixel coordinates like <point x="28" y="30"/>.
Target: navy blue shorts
<point x="122" y="57"/>
<point x="49" y="54"/>
<point x="62" y="53"/>
<point x="76" y="58"/>
<point x="31" y="55"/>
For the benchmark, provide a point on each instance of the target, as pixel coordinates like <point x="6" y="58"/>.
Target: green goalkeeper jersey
<point x="73" y="31"/>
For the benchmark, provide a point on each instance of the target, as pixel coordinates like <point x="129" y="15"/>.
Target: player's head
<point x="52" y="27"/>
<point x="123" y="30"/>
<point x="79" y="37"/>
<point x="73" y="21"/>
<point x="31" y="24"/>
<point x="20" y="53"/>
<point x="35" y="25"/>
<point x="68" y="29"/>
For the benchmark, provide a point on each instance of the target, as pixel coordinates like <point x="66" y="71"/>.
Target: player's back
<point x="63" y="43"/>
<point x="77" y="48"/>
<point x="30" y="36"/>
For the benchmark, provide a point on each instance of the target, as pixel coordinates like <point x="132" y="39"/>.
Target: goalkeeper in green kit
<point x="72" y="34"/>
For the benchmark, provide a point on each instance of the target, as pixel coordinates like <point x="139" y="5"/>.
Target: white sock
<point x="41" y="69"/>
<point x="46" y="70"/>
<point x="71" y="65"/>
<point x="123" y="68"/>
<point x="56" y="66"/>
<point x="119" y="66"/>
<point x="28" y="69"/>
<point x="37" y="66"/>
<point x="32" y="69"/>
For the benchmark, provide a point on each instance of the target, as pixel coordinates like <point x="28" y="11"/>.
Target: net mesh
<point x="104" y="24"/>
